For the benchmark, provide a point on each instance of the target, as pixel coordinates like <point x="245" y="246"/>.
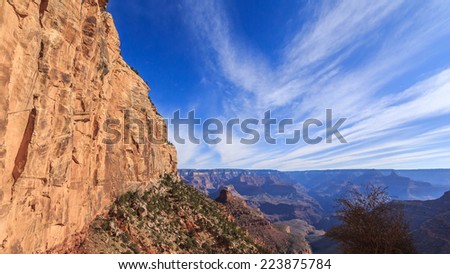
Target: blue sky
<point x="383" y="65"/>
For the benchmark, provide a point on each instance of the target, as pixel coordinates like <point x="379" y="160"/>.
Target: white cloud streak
<point x="313" y="75"/>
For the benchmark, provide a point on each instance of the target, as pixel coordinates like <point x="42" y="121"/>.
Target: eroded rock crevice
<point x="22" y="154"/>
<point x="42" y="9"/>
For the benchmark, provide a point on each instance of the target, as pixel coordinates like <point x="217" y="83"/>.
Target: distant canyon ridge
<point x="303" y="202"/>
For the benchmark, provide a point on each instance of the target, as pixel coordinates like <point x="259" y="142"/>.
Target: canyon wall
<point x="77" y="128"/>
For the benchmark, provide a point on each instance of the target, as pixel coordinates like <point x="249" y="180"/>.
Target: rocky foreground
<point x="172" y="217"/>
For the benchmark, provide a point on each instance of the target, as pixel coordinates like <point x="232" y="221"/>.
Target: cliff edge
<point x="70" y="137"/>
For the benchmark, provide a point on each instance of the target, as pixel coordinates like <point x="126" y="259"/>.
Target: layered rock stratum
<point x="66" y="150"/>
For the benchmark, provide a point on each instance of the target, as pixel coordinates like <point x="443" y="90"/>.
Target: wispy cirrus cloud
<point x="367" y="60"/>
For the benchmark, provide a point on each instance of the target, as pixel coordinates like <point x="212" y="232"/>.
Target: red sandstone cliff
<point x="61" y="78"/>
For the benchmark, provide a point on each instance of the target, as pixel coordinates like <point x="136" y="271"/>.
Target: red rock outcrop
<point x="65" y="97"/>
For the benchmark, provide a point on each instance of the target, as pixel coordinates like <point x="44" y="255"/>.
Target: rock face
<point x="76" y="126"/>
